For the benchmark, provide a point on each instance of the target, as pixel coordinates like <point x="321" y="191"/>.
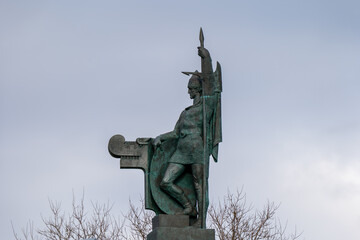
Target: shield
<point x="158" y="165"/>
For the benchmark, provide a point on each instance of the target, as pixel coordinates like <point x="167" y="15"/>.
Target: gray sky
<point x="74" y="73"/>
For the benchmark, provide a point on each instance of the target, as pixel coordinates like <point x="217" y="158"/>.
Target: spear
<point x="203" y="213"/>
<point x="202" y="76"/>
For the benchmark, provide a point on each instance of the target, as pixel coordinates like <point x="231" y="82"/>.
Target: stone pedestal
<point x="176" y="227"/>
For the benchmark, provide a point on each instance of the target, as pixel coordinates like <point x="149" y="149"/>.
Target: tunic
<point x="189" y="132"/>
<point x="190" y="146"/>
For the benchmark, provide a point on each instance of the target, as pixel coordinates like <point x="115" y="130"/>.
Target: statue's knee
<point x="164" y="184"/>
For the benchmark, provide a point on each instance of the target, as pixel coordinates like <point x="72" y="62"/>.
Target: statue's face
<point x="194" y="88"/>
<point x="193" y="91"/>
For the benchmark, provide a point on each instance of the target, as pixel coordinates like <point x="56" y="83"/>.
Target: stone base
<point x="176" y="227"/>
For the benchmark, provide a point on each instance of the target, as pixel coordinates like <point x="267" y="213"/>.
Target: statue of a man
<point x="177" y="170"/>
<point x="189" y="150"/>
<point x="198" y="131"/>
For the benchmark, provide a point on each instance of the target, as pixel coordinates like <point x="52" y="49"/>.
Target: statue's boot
<point x="188" y="207"/>
<point x="197" y="223"/>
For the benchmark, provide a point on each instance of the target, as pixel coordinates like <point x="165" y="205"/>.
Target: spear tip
<point x="201" y="37"/>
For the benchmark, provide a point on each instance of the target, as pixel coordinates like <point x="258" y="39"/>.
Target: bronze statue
<point x="176" y="164"/>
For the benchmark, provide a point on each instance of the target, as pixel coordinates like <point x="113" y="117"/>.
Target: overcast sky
<point x="74" y="73"/>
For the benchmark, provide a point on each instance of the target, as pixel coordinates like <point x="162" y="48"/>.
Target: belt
<point x="185" y="133"/>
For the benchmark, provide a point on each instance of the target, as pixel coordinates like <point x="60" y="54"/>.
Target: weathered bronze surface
<point x="176" y="164"/>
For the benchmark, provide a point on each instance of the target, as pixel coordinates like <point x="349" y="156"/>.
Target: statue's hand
<point x="156" y="142"/>
<point x="203" y="52"/>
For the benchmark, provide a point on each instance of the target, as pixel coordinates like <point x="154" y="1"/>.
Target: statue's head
<point x="194" y="86"/>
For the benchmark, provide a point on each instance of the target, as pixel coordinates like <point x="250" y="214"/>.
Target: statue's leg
<point x="197" y="172"/>
<point x="173" y="171"/>
<point x="206" y="186"/>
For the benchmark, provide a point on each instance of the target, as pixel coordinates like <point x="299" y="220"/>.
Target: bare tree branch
<point x="232" y="218"/>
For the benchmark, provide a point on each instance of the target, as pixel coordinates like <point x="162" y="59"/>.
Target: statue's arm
<point x="207" y="72"/>
<point x="169" y="135"/>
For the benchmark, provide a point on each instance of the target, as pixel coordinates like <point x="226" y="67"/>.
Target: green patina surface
<point x="176" y="164"/>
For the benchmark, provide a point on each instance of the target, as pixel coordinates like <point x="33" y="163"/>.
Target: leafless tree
<point x="100" y="224"/>
<point x="139" y="221"/>
<point x="231" y="218"/>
